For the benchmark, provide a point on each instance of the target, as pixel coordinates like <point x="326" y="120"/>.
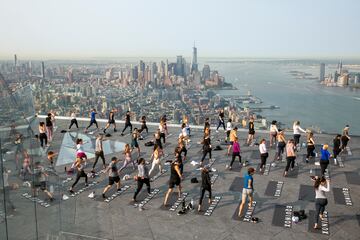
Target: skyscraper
<point x="340" y="68"/>
<point x="206" y="72"/>
<point x="42" y="70"/>
<point x="194" y="64"/>
<point x="15" y="60"/>
<point x="322" y="72"/>
<point x="179" y="70"/>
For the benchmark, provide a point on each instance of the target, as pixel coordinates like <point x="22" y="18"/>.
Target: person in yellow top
<point x="233" y="135"/>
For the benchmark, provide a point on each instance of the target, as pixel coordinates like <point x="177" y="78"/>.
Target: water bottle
<point x="192" y="202"/>
<point x="311" y="170"/>
<point x="52" y="188"/>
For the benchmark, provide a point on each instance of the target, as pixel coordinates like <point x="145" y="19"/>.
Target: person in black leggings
<point x="127" y="123"/>
<point x="143" y="125"/>
<point x="290" y="156"/>
<point x="324" y="160"/>
<point x="80" y="165"/>
<point x="142" y="178"/>
<point x="310" y="146"/>
<point x="175" y="180"/>
<point x="336" y="147"/>
<point x="42" y="134"/>
<point x="206" y="148"/>
<point x="205" y="186"/>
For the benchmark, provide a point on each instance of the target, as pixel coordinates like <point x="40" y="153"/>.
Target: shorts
<point x="41" y="185"/>
<point x="247" y="192"/>
<point x="174" y="182"/>
<point x="252" y="132"/>
<point x="134" y="144"/>
<point x="81" y="155"/>
<point x="111" y="121"/>
<point x="231" y="143"/>
<point x="113" y="180"/>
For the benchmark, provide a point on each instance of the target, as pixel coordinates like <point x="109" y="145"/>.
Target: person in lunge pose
<point x="206" y="148"/>
<point x="345" y="138"/>
<point x="290" y="156"/>
<point x="273" y="133"/>
<point x="111" y="120"/>
<point x="127" y="123"/>
<point x="248" y="190"/>
<point x="232" y="136"/>
<point x="92" y="119"/>
<point x="134" y="141"/>
<point x="235" y="153"/>
<point x="221" y="120"/>
<point x="99" y="152"/>
<point x="281" y="143"/>
<point x="143" y="125"/>
<point x="324" y="159"/>
<point x="40" y="181"/>
<point x="142" y="178"/>
<point x="310" y="146"/>
<point x="49" y="127"/>
<point x="113" y="176"/>
<point x="80" y="166"/>
<point x="205" y="186"/>
<point x="42" y="135"/>
<point x="321" y="187"/>
<point x="336" y="147"/>
<point x="175" y="180"/>
<point x="128" y="158"/>
<point x="251" y="131"/>
<point x="156" y="159"/>
<point x="297" y="133"/>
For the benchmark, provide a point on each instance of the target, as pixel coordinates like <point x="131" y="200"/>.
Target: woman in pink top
<point x="235" y="153"/>
<point x="290" y="156"/>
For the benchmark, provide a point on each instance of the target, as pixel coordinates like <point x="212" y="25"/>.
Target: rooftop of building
<point x="80" y="217"/>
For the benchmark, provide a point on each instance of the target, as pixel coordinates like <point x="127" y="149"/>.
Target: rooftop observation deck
<point x="85" y="218"/>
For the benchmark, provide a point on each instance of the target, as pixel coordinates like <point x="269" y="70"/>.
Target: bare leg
<point x="243" y="200"/>
<point x="167" y="196"/>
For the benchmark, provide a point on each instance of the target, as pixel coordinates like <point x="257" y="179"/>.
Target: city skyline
<point x="257" y="29"/>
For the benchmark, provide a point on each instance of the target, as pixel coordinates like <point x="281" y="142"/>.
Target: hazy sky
<point x="48" y="29"/>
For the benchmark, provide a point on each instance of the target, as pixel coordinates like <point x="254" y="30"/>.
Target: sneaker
<point x="307" y="160"/>
<point x="122" y="134"/>
<point x="115" y="130"/>
<point x="230" y="168"/>
<point x="316" y="154"/>
<point x="71" y="191"/>
<point x="91" y="195"/>
<point x="217" y="131"/>
<point x="103" y="195"/>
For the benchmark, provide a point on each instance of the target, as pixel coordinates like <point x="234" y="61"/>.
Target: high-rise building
<point x="42" y="70"/>
<point x="322" y="72"/>
<point x="179" y="69"/>
<point x="194" y="64"/>
<point x="166" y="70"/>
<point x="15" y="60"/>
<point x="206" y="72"/>
<point x="154" y="71"/>
<point x="340" y="68"/>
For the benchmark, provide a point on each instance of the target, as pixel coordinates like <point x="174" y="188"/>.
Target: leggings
<point x="234" y="155"/>
<point x="99" y="154"/>
<point x="126" y="126"/>
<point x="78" y="176"/>
<point x="297" y="139"/>
<point x="43" y="138"/>
<point x="320" y="204"/>
<point x="263" y="158"/>
<point x="202" y="191"/>
<point x="74" y="121"/>
<point x="205" y="153"/>
<point x="127" y="162"/>
<point x="162" y="136"/>
<point x="310" y="151"/>
<point x="144" y="127"/>
<point x="91" y="123"/>
<point x="221" y="122"/>
<point x="155" y="162"/>
<point x="290" y="161"/>
<point x="50" y="131"/>
<point x="323" y="165"/>
<point x="280" y="149"/>
<point x="336" y="152"/>
<point x="140" y="184"/>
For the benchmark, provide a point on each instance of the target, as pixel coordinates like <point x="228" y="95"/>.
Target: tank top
<point x="173" y="174"/>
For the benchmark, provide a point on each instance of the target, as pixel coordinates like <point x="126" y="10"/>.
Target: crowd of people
<point x="284" y="144"/>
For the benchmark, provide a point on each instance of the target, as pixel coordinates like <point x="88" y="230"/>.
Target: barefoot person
<point x="175" y="180"/>
<point x="113" y="176"/>
<point x="142" y="178"/>
<point x="205" y="186"/>
<point x="248" y="190"/>
<point x="321" y="187"/>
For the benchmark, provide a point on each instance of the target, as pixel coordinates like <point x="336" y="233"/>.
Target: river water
<point x="329" y="108"/>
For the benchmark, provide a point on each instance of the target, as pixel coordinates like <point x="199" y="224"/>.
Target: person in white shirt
<point x="297" y="132"/>
<point x="263" y="154"/>
<point x="73" y="121"/>
<point x="321" y="187"/>
<point x="273" y="132"/>
<point x="228" y="129"/>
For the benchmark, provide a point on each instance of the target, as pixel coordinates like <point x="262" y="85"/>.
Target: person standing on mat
<point x="290" y="156"/>
<point x="111" y="120"/>
<point x="49" y="127"/>
<point x="157" y="137"/>
<point x="248" y="190"/>
<point x="127" y="123"/>
<point x="310" y="146"/>
<point x="336" y="147"/>
<point x="263" y="154"/>
<point x="40" y="181"/>
<point x="235" y="153"/>
<point x="92" y="119"/>
<point x="113" y="176"/>
<point x="273" y="133"/>
<point x="128" y="158"/>
<point x="297" y="133"/>
<point x="281" y="143"/>
<point x="99" y="152"/>
<point x="205" y="186"/>
<point x="206" y="148"/>
<point x="233" y="135"/>
<point x="321" y="187"/>
<point x="324" y="159"/>
<point x="156" y="161"/>
<point x="142" y="177"/>
<point x="143" y="125"/>
<point x="175" y="180"/>
<point x="251" y="132"/>
<point x="162" y="127"/>
<point x="73" y="120"/>
<point x="228" y="130"/>
<point x="80" y="166"/>
<point x="345" y="138"/>
<point x="42" y="135"/>
<point x="221" y="120"/>
<point x="134" y="141"/>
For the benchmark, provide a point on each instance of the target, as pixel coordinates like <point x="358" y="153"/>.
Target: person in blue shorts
<point x="248" y="189"/>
